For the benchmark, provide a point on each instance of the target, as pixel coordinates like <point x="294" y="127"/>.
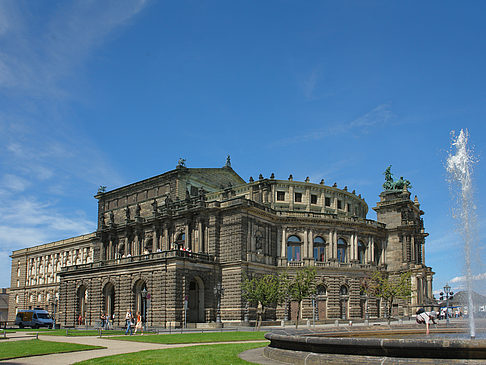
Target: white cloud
<point x="377" y="117"/>
<point x="43" y="152"/>
<point x="14" y="183"/>
<point x="463" y="278"/>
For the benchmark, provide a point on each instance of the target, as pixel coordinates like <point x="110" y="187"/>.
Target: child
<point x="139" y="325"/>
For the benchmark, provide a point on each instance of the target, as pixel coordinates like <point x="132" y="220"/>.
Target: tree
<point x="262" y="291"/>
<point x="382" y="286"/>
<point x="302" y="286"/>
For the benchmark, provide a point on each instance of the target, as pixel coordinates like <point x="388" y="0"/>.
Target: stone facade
<point x="163" y="244"/>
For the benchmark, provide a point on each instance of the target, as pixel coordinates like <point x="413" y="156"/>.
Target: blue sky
<point x="110" y="92"/>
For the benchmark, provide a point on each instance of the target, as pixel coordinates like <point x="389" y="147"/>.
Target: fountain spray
<point x="459" y="167"/>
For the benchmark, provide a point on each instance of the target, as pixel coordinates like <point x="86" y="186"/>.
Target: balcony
<point x="142" y="259"/>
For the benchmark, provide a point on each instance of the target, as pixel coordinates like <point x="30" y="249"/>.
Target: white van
<point x="34" y="318"/>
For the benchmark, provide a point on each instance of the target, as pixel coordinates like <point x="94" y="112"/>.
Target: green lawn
<point x="73" y="332"/>
<point x="197" y="355"/>
<point x="195" y="337"/>
<point x="14" y="349"/>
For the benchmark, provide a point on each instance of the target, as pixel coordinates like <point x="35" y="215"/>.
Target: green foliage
<point x="382" y="286"/>
<point x="262" y="291"/>
<point x="301" y="286"/>
<point x="14" y="349"/>
<point x="196" y="355"/>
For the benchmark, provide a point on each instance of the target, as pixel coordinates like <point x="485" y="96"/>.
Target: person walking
<point x="139" y="325"/>
<point x="128" y="320"/>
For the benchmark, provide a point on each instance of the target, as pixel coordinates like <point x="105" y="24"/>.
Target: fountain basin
<point x="372" y="346"/>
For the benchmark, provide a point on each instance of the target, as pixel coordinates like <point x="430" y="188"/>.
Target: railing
<point x="347" y="265"/>
<point x="295" y="263"/>
<point x="143" y="258"/>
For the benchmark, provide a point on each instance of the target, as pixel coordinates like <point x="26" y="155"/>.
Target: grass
<point x="195" y="355"/>
<point x="14" y="349"/>
<point x="73" y="332"/>
<point x="195" y="337"/>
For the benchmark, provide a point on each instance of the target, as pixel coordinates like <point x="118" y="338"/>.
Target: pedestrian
<point x="102" y="318"/>
<point x="426" y="317"/>
<point x="139" y="325"/>
<point x="128" y="320"/>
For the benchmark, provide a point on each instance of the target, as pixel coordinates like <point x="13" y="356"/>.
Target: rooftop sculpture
<point x="391" y="184"/>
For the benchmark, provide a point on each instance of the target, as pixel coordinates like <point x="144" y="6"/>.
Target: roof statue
<point x="391" y="184"/>
<point x="102" y="189"/>
<point x="181" y="163"/>
<point x="228" y="161"/>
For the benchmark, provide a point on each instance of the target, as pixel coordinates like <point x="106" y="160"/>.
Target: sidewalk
<point x="113" y="347"/>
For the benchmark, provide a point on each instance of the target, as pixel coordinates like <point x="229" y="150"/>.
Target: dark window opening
<point x="328" y="201"/>
<point x="339" y="204"/>
<point x="349" y="208"/>
<point x="313" y="199"/>
<point x="298" y="197"/>
<point x="280" y="195"/>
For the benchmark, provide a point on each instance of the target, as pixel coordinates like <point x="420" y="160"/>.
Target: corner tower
<point x="405" y="237"/>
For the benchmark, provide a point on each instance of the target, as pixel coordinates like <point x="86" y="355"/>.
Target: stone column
<point x="160" y="239"/>
<point x="329" y="246"/>
<point x="110" y="250"/>
<point x="136" y="239"/>
<point x="429" y="287"/>
<point x="155" y="239"/>
<point x="311" y="244"/>
<point x="308" y="199"/>
<point x="352" y="251"/>
<point x="200" y="238"/>
<point x="128" y="249"/>
<point x="166" y="238"/>
<point x="305" y="254"/>
<point x="283" y="252"/>
<point x="291" y="197"/>
<point x="187" y="233"/>
<point x="382" y="259"/>
<point x="372" y="249"/>
<point x="334" y="242"/>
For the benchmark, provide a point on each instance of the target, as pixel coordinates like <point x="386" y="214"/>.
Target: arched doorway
<point x="195" y="301"/>
<point x="109" y="300"/>
<point x="140" y="292"/>
<point x="321" y="296"/>
<point x="343" y="301"/>
<point x="81" y="296"/>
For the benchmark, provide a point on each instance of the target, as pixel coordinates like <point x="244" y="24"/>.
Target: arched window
<point x="181" y="241"/>
<point x="361" y="252"/>
<point x="293" y="248"/>
<point x="343" y="290"/>
<point x="321" y="290"/>
<point x="341" y="250"/>
<point x="319" y="249"/>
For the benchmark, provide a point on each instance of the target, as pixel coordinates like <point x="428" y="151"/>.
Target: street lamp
<point x="447" y="294"/>
<point x="144" y="305"/>
<point x="218" y="292"/>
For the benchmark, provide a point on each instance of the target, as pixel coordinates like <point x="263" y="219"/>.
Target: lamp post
<point x="144" y="306"/>
<point x="218" y="292"/>
<point x="447" y="294"/>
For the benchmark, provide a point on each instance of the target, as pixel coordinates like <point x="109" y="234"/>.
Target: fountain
<point x="459" y="166"/>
